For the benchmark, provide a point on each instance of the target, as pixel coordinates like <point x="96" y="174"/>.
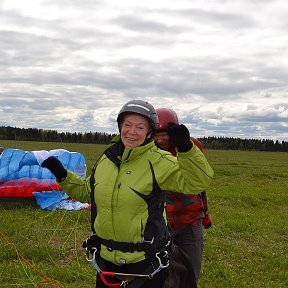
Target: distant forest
<point x="216" y="143"/>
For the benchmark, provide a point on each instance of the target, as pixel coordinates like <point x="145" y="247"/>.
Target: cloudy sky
<point x="70" y="65"/>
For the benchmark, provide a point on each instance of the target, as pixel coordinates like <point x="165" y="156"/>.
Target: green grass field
<point x="245" y="247"/>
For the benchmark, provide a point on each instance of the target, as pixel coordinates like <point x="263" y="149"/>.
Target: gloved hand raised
<point x="180" y="137"/>
<point x="56" y="167"/>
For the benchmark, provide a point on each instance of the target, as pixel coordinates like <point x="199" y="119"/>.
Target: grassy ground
<point x="246" y="246"/>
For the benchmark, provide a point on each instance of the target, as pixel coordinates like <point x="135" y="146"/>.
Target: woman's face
<point x="134" y="130"/>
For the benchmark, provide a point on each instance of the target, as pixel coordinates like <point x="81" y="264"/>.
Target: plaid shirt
<point x="183" y="209"/>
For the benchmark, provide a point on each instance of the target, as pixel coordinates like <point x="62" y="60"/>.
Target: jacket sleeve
<point x="77" y="187"/>
<point x="191" y="173"/>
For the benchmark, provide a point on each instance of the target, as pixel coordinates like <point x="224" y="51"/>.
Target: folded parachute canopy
<point x="21" y="173"/>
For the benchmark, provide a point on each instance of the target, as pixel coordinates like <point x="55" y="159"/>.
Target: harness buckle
<point x="161" y="260"/>
<point x="147" y="241"/>
<point x="91" y="254"/>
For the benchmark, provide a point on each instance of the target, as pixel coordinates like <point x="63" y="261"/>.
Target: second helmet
<point x="166" y="116"/>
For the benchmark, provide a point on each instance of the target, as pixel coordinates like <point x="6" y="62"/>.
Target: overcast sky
<point x="70" y="65"/>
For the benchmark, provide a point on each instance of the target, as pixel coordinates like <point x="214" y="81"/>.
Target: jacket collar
<point x="133" y="153"/>
<point x="117" y="153"/>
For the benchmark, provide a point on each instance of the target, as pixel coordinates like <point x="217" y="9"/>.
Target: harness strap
<point x="123" y="246"/>
<point x="95" y="241"/>
<point x="148" y="268"/>
<point x="93" y="212"/>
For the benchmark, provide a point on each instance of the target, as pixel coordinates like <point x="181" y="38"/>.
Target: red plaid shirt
<point x="184" y="209"/>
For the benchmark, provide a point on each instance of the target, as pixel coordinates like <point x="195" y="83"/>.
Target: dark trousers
<point x="186" y="257"/>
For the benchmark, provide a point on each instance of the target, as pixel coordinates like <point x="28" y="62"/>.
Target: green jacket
<point x="129" y="192"/>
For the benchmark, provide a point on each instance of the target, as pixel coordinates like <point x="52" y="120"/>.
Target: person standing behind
<point x="128" y="184"/>
<point x="187" y="214"/>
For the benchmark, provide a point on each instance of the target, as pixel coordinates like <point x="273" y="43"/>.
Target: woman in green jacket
<point x="127" y="186"/>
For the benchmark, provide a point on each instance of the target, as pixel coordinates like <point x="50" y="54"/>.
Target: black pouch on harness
<point x="133" y="275"/>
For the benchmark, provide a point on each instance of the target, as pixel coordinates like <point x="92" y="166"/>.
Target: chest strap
<point x="145" y="246"/>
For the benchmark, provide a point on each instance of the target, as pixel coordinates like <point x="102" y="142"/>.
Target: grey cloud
<point x="243" y="124"/>
<point x="269" y="116"/>
<point x="88" y="4"/>
<point x="49" y="69"/>
<point x="226" y="20"/>
<point x="182" y="76"/>
<point x="133" y="22"/>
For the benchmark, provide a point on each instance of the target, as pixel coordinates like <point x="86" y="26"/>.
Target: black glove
<point x="180" y="137"/>
<point x="55" y="166"/>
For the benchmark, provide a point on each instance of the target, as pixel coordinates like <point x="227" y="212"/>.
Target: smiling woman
<point x="137" y="123"/>
<point x="128" y="185"/>
<point x="134" y="130"/>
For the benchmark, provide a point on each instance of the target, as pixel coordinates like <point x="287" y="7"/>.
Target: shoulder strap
<point x="111" y="152"/>
<point x="93" y="203"/>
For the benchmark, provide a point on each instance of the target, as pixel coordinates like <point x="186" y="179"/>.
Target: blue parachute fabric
<point x="21" y="175"/>
<point x="48" y="200"/>
<point x="19" y="164"/>
<point x="55" y="200"/>
<point x="73" y="162"/>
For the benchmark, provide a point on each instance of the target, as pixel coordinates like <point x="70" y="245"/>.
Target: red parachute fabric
<point x="25" y="187"/>
<point x="21" y="173"/>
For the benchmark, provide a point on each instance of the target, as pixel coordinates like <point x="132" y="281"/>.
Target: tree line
<point x="34" y="134"/>
<point x="230" y="143"/>
<point x="216" y="143"/>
